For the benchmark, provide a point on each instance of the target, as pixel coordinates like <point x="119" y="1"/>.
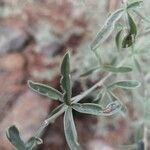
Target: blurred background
<point x="34" y="35"/>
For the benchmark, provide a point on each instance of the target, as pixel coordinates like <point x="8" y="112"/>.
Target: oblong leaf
<point x="89" y="72"/>
<point x="45" y="90"/>
<point x="118" y="39"/>
<point x="66" y="79"/>
<point x="133" y="28"/>
<point x="97" y="110"/>
<point x="13" y="136"/>
<point x="134" y="4"/>
<point x="112" y="108"/>
<point x="114" y="98"/>
<point x="106" y="29"/>
<point x="70" y="130"/>
<point x="113" y="69"/>
<point x="128" y="84"/>
<point x="88" y="108"/>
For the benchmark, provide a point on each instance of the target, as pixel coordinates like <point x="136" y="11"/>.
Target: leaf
<point x="32" y="142"/>
<point x="129" y="39"/>
<point x="118" y="39"/>
<point x="45" y="90"/>
<point x="14" y="137"/>
<point x="95" y="109"/>
<point x="112" y="108"/>
<point x="134" y="4"/>
<point x="70" y="130"/>
<point x="114" y="98"/>
<point x="113" y="69"/>
<point x="89" y="72"/>
<point x="128" y="84"/>
<point x="66" y="79"/>
<point x="88" y="108"/>
<point x="133" y="28"/>
<point x="106" y="29"/>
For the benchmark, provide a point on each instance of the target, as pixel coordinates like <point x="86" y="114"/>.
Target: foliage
<point x="125" y="39"/>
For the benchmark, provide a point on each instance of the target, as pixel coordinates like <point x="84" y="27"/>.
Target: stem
<point x="98" y="84"/>
<point x="49" y="120"/>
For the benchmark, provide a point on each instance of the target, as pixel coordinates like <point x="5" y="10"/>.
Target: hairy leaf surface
<point x="128" y="84"/>
<point x="106" y="29"/>
<point x="45" y="90"/>
<point x="113" y="69"/>
<point x="70" y="130"/>
<point x="66" y="79"/>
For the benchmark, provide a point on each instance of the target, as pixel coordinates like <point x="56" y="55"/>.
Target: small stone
<point x="12" y="62"/>
<point x="11" y="39"/>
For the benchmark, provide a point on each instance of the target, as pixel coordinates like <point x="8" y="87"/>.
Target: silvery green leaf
<point x="95" y="109"/>
<point x="70" y="130"/>
<point x="112" y="108"/>
<point x="114" y="98"/>
<point x="66" y="79"/>
<point x="128" y="84"/>
<point x="32" y="142"/>
<point x="15" y="139"/>
<point x="134" y="4"/>
<point x="106" y="29"/>
<point x="89" y="72"/>
<point x="113" y="69"/>
<point x="45" y="90"/>
<point x="118" y="39"/>
<point x="88" y="108"/>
